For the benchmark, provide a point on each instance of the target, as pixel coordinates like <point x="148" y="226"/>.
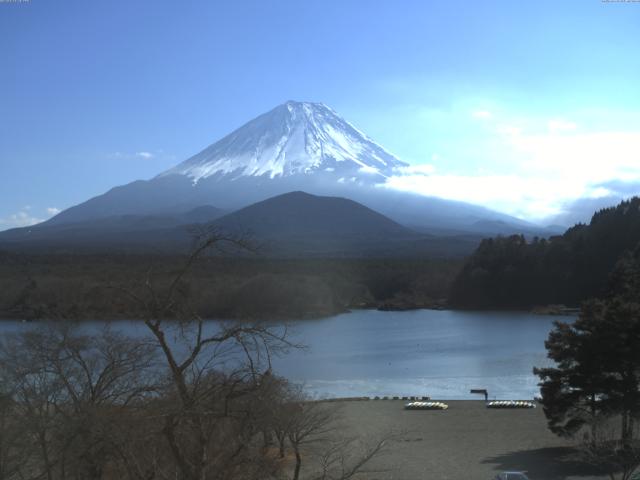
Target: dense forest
<point x="32" y="286"/>
<point x="511" y="272"/>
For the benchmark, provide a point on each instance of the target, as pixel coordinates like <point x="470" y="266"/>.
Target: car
<point x="511" y="476"/>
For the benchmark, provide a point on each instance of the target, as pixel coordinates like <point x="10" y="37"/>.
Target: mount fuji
<point x="297" y="146"/>
<point x="293" y="139"/>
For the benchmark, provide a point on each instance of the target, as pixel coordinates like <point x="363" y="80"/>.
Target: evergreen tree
<point x="509" y="272"/>
<point x="597" y="371"/>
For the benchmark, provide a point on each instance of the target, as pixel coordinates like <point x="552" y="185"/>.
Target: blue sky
<point x="526" y="107"/>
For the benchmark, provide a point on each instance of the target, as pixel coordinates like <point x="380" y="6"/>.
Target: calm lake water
<point x="442" y="354"/>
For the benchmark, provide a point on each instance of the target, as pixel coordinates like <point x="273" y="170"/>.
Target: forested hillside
<point x="90" y="286"/>
<point x="511" y="272"/>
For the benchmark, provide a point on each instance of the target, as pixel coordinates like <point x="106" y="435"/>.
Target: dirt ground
<point x="467" y="441"/>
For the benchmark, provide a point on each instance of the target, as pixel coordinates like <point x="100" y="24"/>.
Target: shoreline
<point x="541" y="311"/>
<point x="467" y="440"/>
<point x="413" y="398"/>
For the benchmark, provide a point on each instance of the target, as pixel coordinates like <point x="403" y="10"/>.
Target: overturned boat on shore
<point x="426" y="406"/>
<point x="510" y="404"/>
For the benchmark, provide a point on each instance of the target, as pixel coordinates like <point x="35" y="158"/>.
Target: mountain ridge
<point x="295" y="224"/>
<point x="289" y="213"/>
<point x="295" y="146"/>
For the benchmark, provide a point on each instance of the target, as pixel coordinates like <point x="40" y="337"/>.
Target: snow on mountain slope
<point x="293" y="138"/>
<point x="294" y="147"/>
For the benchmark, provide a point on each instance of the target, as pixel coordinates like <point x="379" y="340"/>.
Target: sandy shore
<point x="467" y="441"/>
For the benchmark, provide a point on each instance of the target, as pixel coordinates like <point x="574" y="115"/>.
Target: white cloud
<point x="547" y="171"/>
<point x="600" y="192"/>
<point x="482" y="114"/>
<point x="19" y="219"/>
<point x="143" y="154"/>
<point x="508" y="130"/>
<point x="511" y="153"/>
<point x="519" y="196"/>
<point x="561" y="126"/>
<point x="368" y="169"/>
<point x="25" y="218"/>
<point x="422" y="169"/>
<point x="589" y="157"/>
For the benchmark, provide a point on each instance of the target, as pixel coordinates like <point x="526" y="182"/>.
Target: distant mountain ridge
<point x="300" y="224"/>
<point x="300" y="213"/>
<point x="117" y="232"/>
<point x="297" y="146"/>
<point x="294" y="224"/>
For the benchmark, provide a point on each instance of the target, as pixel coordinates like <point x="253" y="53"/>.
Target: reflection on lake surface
<point x="442" y="354"/>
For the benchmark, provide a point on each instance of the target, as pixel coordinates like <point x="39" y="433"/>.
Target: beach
<point x="466" y="441"/>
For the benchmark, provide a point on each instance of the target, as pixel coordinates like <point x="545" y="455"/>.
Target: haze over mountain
<point x="295" y="146"/>
<point x="126" y="232"/>
<point x="294" y="224"/>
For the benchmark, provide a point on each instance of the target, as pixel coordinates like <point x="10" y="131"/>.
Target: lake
<point x="442" y="354"/>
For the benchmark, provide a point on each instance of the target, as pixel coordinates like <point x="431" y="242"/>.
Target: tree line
<point x="513" y="272"/>
<point x="251" y="286"/>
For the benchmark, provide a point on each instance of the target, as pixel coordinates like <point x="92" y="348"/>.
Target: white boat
<point x="510" y="404"/>
<point x="426" y="406"/>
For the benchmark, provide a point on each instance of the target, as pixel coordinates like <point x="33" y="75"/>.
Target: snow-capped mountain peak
<point x="295" y="138"/>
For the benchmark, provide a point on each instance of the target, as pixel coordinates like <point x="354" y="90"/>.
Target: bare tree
<point x="314" y="431"/>
<point x="214" y="371"/>
<point x="609" y="454"/>
<point x="14" y="451"/>
<point x="187" y="400"/>
<point x="347" y="457"/>
<point x="70" y="391"/>
<point x="309" y="423"/>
